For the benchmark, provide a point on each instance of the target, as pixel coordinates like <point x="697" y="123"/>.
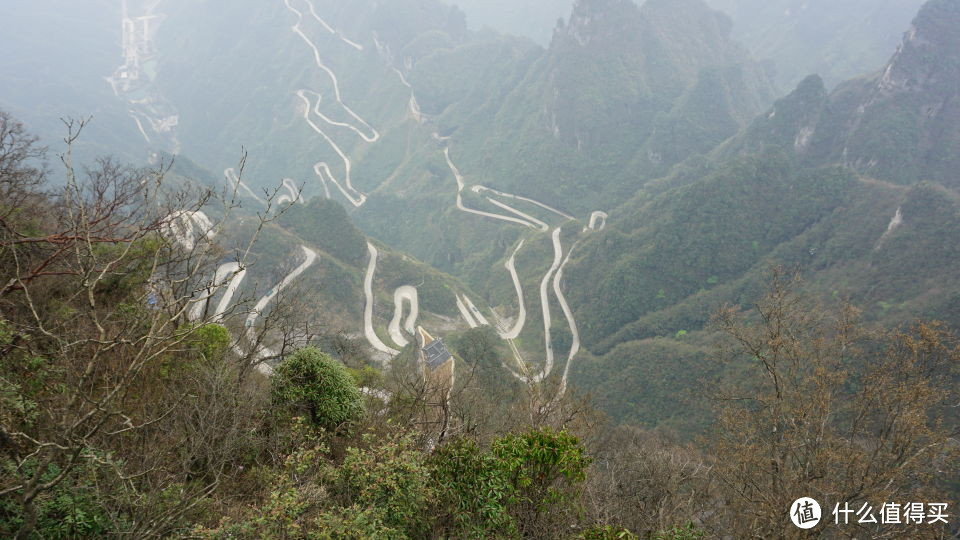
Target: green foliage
<point x="292" y="501"/>
<point x="541" y="465"/>
<point x="480" y="350"/>
<point x="386" y="487"/>
<point x="475" y="491"/>
<point x="71" y="510"/>
<point x="686" y="532"/>
<point x="325" y="224"/>
<point x="210" y="341"/>
<point x="367" y="377"/>
<point x="433" y="288"/>
<point x="607" y="532"/>
<point x="353" y="522"/>
<point x="6" y="333"/>
<point x="133" y="272"/>
<point x="652" y="383"/>
<point x="391" y="478"/>
<point x="312" y="382"/>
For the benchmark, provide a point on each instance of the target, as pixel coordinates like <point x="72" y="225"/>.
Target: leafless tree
<point x="646" y="482"/>
<point x="836" y="411"/>
<point x="98" y="281"/>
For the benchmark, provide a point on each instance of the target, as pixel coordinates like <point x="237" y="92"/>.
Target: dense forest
<point x="123" y="415"/>
<point x="657" y="269"/>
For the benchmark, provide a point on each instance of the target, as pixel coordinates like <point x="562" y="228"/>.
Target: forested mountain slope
<point x="499" y="162"/>
<point x="900" y="124"/>
<point x="853" y="188"/>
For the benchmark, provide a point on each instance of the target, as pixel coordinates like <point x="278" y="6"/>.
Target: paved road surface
<point x="238" y="185"/>
<point x="511" y="267"/>
<point x="598" y="220"/>
<point x="367" y="132"/>
<point x="224" y="271"/>
<point x="368" y="331"/>
<point x="408" y="294"/>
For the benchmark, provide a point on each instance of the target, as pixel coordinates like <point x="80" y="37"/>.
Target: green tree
<point x="310" y="381"/>
<point x="475" y="490"/>
<point x="545" y="469"/>
<point x="210" y="341"/>
<point x="392" y="481"/>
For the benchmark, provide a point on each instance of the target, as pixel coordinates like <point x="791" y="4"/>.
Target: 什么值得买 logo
<point x="805" y="513"/>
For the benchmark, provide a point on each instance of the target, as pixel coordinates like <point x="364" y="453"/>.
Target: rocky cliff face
<point x="835" y="40"/>
<point x="618" y="72"/>
<point x="900" y="124"/>
<point x="905" y="123"/>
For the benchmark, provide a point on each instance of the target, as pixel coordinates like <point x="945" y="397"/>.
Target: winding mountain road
<point x="595" y="218"/>
<point x="481" y="189"/>
<point x="316" y="110"/>
<point x="263" y="351"/>
<point x="414" y="106"/>
<point x="511" y="267"/>
<point x="571" y="322"/>
<point x="477" y="315"/>
<point x="408" y="294"/>
<point x="465" y="313"/>
<point x="319" y="61"/>
<point x="367" y="132"/>
<point x="545" y="305"/>
<point x="356" y="197"/>
<point x="540" y="224"/>
<point x="368" y="330"/>
<point x="474" y="317"/>
<point x="314" y="116"/>
<point x="238" y="184"/>
<point x="239" y="274"/>
<point x="460" y="186"/>
<point x="333" y="31"/>
<point x="181" y="227"/>
<point x="134" y="81"/>
<point x="219" y="280"/>
<point x="293" y="194"/>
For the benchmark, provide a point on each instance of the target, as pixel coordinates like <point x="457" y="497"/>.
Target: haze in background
<point x="56" y="56"/>
<point x="456" y="148"/>
<point x="836" y="39"/>
<point x="534" y="19"/>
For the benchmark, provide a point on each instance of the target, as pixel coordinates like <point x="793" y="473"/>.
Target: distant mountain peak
<point x="591" y="18"/>
<point x="900" y="124"/>
<point x="927" y="55"/>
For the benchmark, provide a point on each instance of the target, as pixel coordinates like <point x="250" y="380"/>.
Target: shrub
<point x="210" y="341"/>
<point x="311" y="382"/>
<point x="607" y="532"/>
<point x="544" y="468"/>
<point x="392" y="481"/>
<point x="475" y="489"/>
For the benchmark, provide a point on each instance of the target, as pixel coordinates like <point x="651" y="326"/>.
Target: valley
<point x="417" y="204"/>
<point x="632" y="174"/>
<point x="586" y="269"/>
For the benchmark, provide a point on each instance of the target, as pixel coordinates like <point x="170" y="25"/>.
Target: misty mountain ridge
<point x="653" y="115"/>
<point x="585" y="269"/>
<point x="896" y="125"/>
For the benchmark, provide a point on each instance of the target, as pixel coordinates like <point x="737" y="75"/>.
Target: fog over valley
<point x="667" y="269"/>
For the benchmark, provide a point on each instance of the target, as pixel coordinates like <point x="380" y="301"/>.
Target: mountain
<point x="836" y="40"/>
<point x="44" y="80"/>
<point x="533" y="19"/>
<point x="899" y="124"/>
<point x="851" y="187"/>
<point x="602" y="108"/>
<point x="593" y="201"/>
<point x="333" y="279"/>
